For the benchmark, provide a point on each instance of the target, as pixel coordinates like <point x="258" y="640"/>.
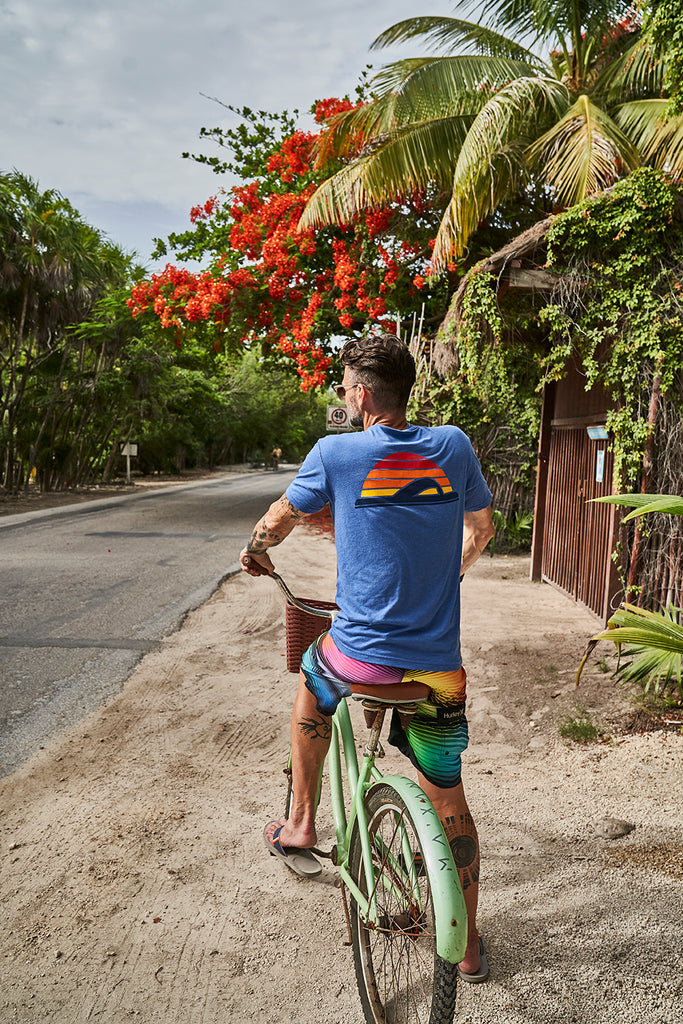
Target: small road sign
<point x="338" y="418"/>
<point x="130" y="450"/>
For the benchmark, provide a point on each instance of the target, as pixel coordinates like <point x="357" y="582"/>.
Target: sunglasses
<point x="340" y="390"/>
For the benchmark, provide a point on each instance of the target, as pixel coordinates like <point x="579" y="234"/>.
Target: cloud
<point x="103" y="99"/>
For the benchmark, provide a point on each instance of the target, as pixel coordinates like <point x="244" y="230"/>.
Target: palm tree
<point x="485" y="124"/>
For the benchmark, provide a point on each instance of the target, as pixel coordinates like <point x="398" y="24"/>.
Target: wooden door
<point x="578" y="534"/>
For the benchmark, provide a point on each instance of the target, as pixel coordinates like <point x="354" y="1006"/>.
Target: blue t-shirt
<point x="397" y="498"/>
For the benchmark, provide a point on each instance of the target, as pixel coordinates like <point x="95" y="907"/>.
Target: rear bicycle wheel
<point x="401" y="977"/>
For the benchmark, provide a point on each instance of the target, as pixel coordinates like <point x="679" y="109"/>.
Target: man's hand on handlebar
<point x="256" y="564"/>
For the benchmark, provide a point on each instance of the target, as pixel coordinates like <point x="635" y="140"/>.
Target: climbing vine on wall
<point x="616" y="307"/>
<point x="619" y="306"/>
<point x="663" y="24"/>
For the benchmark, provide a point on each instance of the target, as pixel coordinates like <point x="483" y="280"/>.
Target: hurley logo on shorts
<point x="450" y="716"/>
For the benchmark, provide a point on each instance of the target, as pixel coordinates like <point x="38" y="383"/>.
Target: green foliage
<point x="618" y="312"/>
<point x="78" y="375"/>
<point x="579" y="728"/>
<point x="266" y="407"/>
<point x="655" y="647"/>
<point x="184" y="413"/>
<point x="485" y="117"/>
<point x="643" y="503"/>
<point x="492" y="394"/>
<point x="55" y="270"/>
<point x="654" y="640"/>
<point x="513" y="533"/>
<point x="663" y="25"/>
<point x="519" y="530"/>
<point x="623" y="251"/>
<point x="485" y="372"/>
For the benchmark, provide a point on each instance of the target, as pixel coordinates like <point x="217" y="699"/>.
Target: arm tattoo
<point x="274" y="526"/>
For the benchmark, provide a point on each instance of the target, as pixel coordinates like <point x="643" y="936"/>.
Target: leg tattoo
<point x="316" y="729"/>
<point x="462" y="839"/>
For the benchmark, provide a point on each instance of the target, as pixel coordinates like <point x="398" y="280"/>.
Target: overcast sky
<point x="99" y="100"/>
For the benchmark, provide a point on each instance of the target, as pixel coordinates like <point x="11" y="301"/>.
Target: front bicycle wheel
<point x="401" y="978"/>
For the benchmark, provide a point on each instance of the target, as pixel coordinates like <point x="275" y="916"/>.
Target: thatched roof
<point x="507" y="264"/>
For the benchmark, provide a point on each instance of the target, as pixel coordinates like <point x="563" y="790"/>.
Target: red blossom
<point x="281" y="287"/>
<point x="205" y="211"/>
<point x="325" y="109"/>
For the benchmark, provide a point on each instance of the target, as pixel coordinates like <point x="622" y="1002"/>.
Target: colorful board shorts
<point x="436" y="736"/>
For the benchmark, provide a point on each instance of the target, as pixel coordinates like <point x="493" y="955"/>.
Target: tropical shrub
<point x="654" y="640"/>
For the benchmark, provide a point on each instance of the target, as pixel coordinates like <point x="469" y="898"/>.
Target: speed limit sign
<point x="337" y="418"/>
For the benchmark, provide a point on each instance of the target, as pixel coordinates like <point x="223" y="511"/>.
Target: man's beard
<point x="356" y="418"/>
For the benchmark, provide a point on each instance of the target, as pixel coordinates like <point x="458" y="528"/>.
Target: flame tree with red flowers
<point x="267" y="286"/>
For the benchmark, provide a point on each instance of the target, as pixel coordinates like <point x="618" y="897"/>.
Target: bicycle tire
<point x="401" y="978"/>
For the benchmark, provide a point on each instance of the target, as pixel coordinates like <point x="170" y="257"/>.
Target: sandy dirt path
<point x="135" y="885"/>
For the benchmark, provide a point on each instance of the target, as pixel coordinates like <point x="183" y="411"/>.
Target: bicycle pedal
<point x="328" y="855"/>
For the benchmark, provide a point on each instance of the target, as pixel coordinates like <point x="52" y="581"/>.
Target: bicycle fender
<point x="450" y="911"/>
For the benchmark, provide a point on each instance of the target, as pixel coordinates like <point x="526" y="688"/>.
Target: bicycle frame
<point x="449" y="905"/>
<point x="450" y="912"/>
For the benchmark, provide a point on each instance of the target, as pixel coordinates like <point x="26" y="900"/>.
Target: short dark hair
<point x="384" y="364"/>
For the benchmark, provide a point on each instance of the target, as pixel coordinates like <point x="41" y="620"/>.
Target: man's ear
<point x="365" y="400"/>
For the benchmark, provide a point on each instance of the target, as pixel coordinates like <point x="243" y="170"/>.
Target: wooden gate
<point x="577" y="534"/>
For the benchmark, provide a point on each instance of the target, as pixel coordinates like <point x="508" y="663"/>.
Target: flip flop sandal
<point x="301" y="862"/>
<point x="482" y="974"/>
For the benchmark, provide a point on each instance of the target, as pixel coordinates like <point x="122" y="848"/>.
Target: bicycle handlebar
<point x="322" y="613"/>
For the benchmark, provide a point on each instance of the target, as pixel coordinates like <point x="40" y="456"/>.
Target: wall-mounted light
<point x="597" y="433"/>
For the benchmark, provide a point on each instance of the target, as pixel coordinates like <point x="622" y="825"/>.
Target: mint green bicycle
<point x="407" y="919"/>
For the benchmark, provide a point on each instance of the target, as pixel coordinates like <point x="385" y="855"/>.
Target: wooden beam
<point x="530" y="280"/>
<point x="542" y="481"/>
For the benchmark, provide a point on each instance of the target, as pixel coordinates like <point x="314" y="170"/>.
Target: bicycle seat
<point x="405" y="697"/>
<point x="391" y="694"/>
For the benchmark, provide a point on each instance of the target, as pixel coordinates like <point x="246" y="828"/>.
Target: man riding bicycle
<point x="411" y="514"/>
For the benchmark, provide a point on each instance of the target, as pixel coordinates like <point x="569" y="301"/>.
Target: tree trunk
<point x="634" y="568"/>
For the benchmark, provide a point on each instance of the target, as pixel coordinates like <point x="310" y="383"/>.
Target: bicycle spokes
<point x="402" y="979"/>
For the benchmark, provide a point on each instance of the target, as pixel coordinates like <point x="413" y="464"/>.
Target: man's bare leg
<point x="311" y="734"/>
<point x="451" y="806"/>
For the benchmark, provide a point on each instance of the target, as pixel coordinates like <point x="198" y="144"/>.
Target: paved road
<point x="87" y="590"/>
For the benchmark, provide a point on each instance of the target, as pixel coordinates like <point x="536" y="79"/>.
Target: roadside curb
<point x="22" y="518"/>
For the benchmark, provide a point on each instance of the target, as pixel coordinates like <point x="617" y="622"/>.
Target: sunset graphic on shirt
<point x="405" y="479"/>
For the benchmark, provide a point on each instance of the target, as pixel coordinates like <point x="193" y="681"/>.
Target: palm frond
<point x="491" y="164"/>
<point x="416" y="90"/>
<point x="520" y="107"/>
<point x="351" y="129"/>
<point x="543" y="19"/>
<point x="655" y="645"/>
<point x="553" y="17"/>
<point x="659" y="140"/>
<point x="502" y="177"/>
<point x="448" y="76"/>
<point x="644" y="503"/>
<point x="635" y="74"/>
<point x="447" y="33"/>
<point x="400" y="163"/>
<point x="585" y="152"/>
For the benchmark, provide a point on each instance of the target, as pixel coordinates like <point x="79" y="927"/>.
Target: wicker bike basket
<point x="303" y="629"/>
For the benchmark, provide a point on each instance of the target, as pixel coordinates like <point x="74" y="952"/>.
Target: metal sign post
<point x="129" y="450"/>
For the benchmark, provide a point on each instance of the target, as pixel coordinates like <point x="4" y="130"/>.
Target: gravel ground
<point x="134" y="882"/>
